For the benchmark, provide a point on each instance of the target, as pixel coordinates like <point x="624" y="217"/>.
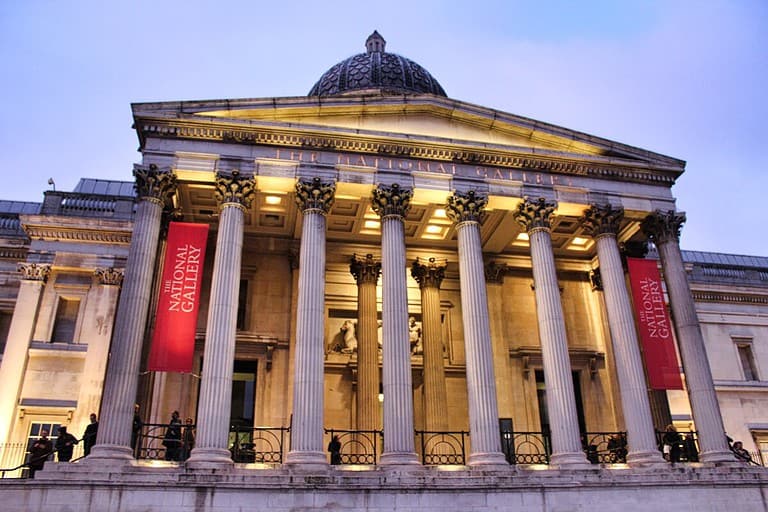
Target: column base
<point x="570" y="460"/>
<point x="719" y="458"/>
<point x="399" y="459"/>
<point x="209" y="458"/>
<point x="306" y="457"/>
<point x="487" y="459"/>
<point x="113" y="452"/>
<point x="645" y="458"/>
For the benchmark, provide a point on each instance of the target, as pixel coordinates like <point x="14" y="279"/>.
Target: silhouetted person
<point x="188" y="439"/>
<point x="172" y="438"/>
<point x="89" y="436"/>
<point x="39" y="453"/>
<point x="334" y="447"/>
<point x="136" y="430"/>
<point x="740" y="452"/>
<point x="691" y="452"/>
<point x="65" y="444"/>
<point x="672" y="443"/>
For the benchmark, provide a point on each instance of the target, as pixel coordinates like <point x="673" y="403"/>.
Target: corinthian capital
<point x="365" y="270"/>
<point x="109" y="276"/>
<point x="234" y="188"/>
<point x="391" y="200"/>
<point x="469" y="207"/>
<point x="429" y="274"/>
<point x="34" y="271"/>
<point x="494" y="272"/>
<point x="662" y="226"/>
<point x="534" y="214"/>
<point x="153" y="184"/>
<point x="315" y="195"/>
<point x="602" y="220"/>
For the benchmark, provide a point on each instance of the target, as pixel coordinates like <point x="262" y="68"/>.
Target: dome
<point x="376" y="69"/>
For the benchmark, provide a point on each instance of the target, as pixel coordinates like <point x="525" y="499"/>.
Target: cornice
<point x="62" y="234"/>
<point x="275" y="134"/>
<point x="732" y="298"/>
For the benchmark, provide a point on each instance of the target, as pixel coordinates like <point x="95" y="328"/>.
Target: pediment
<point x="419" y="119"/>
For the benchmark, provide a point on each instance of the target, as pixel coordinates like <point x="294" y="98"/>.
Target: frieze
<point x="486" y="159"/>
<point x="700" y="296"/>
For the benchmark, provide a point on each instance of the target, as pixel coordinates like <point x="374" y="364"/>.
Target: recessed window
<point x="747" y="361"/>
<point x="66" y="319"/>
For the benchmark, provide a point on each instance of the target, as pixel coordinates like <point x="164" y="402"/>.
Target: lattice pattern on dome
<point x="377" y="70"/>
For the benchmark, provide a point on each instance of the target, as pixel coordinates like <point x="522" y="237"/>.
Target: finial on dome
<point x="375" y="43"/>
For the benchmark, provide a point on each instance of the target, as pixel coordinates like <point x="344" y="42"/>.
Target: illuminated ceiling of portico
<point x="351" y="220"/>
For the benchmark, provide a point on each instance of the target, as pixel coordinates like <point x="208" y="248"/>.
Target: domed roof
<point x="376" y="69"/>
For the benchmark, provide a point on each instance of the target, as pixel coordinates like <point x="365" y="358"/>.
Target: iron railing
<point x="526" y="447"/>
<point x="262" y="445"/>
<point x="358" y="446"/>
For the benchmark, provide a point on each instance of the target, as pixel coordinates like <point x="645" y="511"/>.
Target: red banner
<point x="173" y="342"/>
<point x="654" y="324"/>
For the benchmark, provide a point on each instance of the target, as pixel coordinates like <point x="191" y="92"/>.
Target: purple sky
<point x="684" y="78"/>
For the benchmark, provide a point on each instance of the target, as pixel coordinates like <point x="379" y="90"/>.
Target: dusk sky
<point x="686" y="79"/>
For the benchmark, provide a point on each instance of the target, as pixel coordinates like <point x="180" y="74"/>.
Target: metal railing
<point x="526" y="447"/>
<point x="357" y="446"/>
<point x="262" y="445"/>
<point x="442" y="448"/>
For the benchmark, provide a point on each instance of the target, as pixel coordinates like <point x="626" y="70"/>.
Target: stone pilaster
<point x="315" y="199"/>
<point x="663" y="229"/>
<point x="534" y="216"/>
<point x="33" y="279"/>
<point x="234" y="193"/>
<point x="392" y="203"/>
<point x="366" y="272"/>
<point x="97" y="330"/>
<point x="467" y="211"/>
<point x="603" y="223"/>
<point x="154" y="189"/>
<point x="430" y="275"/>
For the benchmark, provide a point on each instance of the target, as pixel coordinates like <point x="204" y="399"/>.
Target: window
<point x="761" y="441"/>
<point x="35" y="433"/>
<point x="242" y="304"/>
<point x="747" y="360"/>
<point x="66" y="319"/>
<point x="5" y="326"/>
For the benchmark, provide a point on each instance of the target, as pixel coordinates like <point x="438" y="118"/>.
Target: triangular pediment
<point x="418" y="119"/>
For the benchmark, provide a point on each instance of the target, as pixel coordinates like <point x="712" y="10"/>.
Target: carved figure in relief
<point x="349" y="344"/>
<point x="414" y="336"/>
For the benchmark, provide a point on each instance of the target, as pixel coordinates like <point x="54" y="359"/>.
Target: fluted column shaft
<point x="392" y="203"/>
<point x="366" y="272"/>
<point x="33" y="278"/>
<point x="114" y="440"/>
<point x="664" y="230"/>
<point x="215" y="402"/>
<point x="603" y="222"/>
<point x="429" y="276"/>
<point x="561" y="400"/>
<point x="315" y="199"/>
<point x="467" y="211"/>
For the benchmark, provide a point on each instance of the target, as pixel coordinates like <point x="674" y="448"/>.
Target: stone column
<point x="663" y="229"/>
<point x="234" y="193"/>
<point x="430" y="275"/>
<point x="602" y="223"/>
<point x="505" y="393"/>
<point x="366" y="272"/>
<point x="392" y="203"/>
<point x="97" y="330"/>
<point x="33" y="278"/>
<point x="154" y="189"/>
<point x="315" y="199"/>
<point x="566" y="445"/>
<point x="467" y="210"/>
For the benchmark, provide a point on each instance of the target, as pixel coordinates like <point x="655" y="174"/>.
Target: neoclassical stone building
<point x="385" y="263"/>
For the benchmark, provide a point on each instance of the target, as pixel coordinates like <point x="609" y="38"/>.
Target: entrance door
<point x="541" y="394"/>
<point x="242" y="412"/>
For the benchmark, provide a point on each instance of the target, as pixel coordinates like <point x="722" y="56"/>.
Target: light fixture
<point x="523" y="237"/>
<point x="273" y="200"/>
<point x="433" y="229"/>
<point x="577" y="240"/>
<point x="371" y="224"/>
